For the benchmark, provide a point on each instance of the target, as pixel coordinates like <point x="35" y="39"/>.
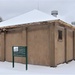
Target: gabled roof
<point x="32" y="16"/>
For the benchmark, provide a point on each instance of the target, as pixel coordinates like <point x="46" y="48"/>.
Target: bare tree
<point x="1" y="19"/>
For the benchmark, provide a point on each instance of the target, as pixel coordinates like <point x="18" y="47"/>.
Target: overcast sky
<point x="12" y="8"/>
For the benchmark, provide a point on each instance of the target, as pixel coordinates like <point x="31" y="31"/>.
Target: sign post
<point x="19" y="51"/>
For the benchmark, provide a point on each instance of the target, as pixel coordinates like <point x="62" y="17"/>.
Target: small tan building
<point x="49" y="42"/>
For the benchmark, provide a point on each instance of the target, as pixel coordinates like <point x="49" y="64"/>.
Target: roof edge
<point x="33" y="23"/>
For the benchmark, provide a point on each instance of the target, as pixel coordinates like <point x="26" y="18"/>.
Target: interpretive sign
<point x="19" y="51"/>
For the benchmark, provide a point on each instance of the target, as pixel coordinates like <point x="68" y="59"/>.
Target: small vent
<point x="54" y="13"/>
<point x="73" y="23"/>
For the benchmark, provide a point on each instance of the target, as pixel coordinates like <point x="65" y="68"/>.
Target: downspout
<point x="65" y="46"/>
<point x="4" y="31"/>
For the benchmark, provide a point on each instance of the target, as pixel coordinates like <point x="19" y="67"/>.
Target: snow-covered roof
<point x="32" y="16"/>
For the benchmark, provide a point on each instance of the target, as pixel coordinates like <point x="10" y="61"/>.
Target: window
<point x="59" y="35"/>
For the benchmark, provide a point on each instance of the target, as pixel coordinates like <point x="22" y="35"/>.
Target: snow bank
<point x="19" y="69"/>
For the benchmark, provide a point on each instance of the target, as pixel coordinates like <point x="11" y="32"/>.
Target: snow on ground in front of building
<point x="19" y="69"/>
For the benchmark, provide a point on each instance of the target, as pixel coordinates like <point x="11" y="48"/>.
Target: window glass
<point x="59" y="35"/>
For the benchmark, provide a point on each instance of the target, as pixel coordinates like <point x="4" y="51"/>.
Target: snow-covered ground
<point x="19" y="69"/>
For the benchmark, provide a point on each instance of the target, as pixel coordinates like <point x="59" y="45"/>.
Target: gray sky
<point x="12" y="8"/>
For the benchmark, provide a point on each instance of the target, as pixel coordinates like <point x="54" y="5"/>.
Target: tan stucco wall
<point x="0" y="47"/>
<point x="15" y="38"/>
<point x="52" y="44"/>
<point x="44" y="48"/>
<point x="37" y="40"/>
<point x="69" y="45"/>
<point x="74" y="45"/>
<point x="59" y="45"/>
<point x="38" y="45"/>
